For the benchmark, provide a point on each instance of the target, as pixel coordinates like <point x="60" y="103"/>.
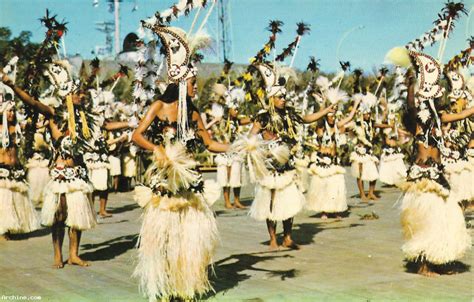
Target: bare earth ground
<point x="340" y="260"/>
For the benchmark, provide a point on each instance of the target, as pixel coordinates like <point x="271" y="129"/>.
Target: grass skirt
<point x="224" y="178"/>
<point x="80" y="214"/>
<point x="115" y="166"/>
<point x="177" y="241"/>
<point x="327" y="189"/>
<point x="17" y="214"/>
<point x="392" y="169"/>
<point x="99" y="175"/>
<point x="37" y="178"/>
<point x="433" y="224"/>
<point x="460" y="178"/>
<point x="129" y="166"/>
<point x="288" y="198"/>
<point x="369" y="166"/>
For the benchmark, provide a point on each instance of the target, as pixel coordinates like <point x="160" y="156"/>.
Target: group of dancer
<point x="291" y="144"/>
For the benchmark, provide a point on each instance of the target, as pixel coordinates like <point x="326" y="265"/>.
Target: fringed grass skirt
<point x="226" y="178"/>
<point x="288" y="198"/>
<point x="177" y="241"/>
<point x="37" y="177"/>
<point x="80" y="213"/>
<point x="369" y="166"/>
<point x="115" y="166"/>
<point x="17" y="214"/>
<point x="392" y="169"/>
<point x="433" y="224"/>
<point x="327" y="189"/>
<point x="460" y="178"/>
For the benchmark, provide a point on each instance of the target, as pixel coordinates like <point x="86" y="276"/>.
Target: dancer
<point x="97" y="160"/>
<point x="392" y="169"/>
<point x="278" y="195"/>
<point x="363" y="160"/>
<point x="433" y="222"/>
<point x="17" y="214"/>
<point x="38" y="164"/>
<point x="230" y="172"/>
<point x="179" y="233"/>
<point x="66" y="202"/>
<point x="327" y="191"/>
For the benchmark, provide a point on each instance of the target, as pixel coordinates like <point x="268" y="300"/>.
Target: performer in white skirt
<point x="97" y="159"/>
<point x="38" y="167"/>
<point x="432" y="221"/>
<point x="179" y="233"/>
<point x="279" y="193"/>
<point x="327" y="190"/>
<point x="392" y="169"/>
<point x="456" y="139"/>
<point x="115" y="162"/>
<point x="66" y="201"/>
<point x="230" y="168"/>
<point x="17" y="214"/>
<point x="364" y="162"/>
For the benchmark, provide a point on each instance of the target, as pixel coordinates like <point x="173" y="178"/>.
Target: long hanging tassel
<point x="182" y="112"/>
<point x="71" y="124"/>
<point x="85" y="128"/>
<point x="5" y="134"/>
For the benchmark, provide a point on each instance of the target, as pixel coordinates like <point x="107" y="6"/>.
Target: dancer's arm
<point x="310" y="118"/>
<point x="350" y="116"/>
<point x="256" y="128"/>
<point x="454" y="117"/>
<point x="210" y="144"/>
<point x="27" y="99"/>
<point x="110" y="126"/>
<point x="138" y="137"/>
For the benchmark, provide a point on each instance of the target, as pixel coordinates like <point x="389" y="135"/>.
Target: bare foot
<point x="229" y="206"/>
<point x="426" y="271"/>
<point x="372" y="197"/>
<point x="58" y="265"/>
<point x="238" y="205"/>
<point x="288" y="243"/>
<point x="77" y="261"/>
<point x="364" y="198"/>
<point x="105" y="214"/>
<point x="273" y="246"/>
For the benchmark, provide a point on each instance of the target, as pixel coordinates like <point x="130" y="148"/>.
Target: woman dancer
<point x="66" y="202"/>
<point x="179" y="232"/>
<point x="433" y="222"/>
<point x="17" y="214"/>
<point x="327" y="191"/>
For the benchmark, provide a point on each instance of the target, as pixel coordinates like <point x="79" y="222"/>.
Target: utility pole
<point x="117" y="26"/>
<point x="225" y="30"/>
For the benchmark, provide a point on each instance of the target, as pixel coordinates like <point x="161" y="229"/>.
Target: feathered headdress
<point x="179" y="49"/>
<point x="429" y="72"/>
<point x="440" y="32"/>
<point x="302" y="29"/>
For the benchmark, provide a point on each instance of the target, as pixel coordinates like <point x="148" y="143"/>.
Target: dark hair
<point x="171" y="95"/>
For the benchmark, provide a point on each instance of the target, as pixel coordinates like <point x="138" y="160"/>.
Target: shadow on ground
<point x="123" y="209"/>
<point x="230" y="271"/>
<point x="109" y="249"/>
<point x="38" y="233"/>
<point x="455" y="267"/>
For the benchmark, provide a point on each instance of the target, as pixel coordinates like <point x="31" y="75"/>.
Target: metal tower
<point x="108" y="29"/>
<point x="224" y="28"/>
